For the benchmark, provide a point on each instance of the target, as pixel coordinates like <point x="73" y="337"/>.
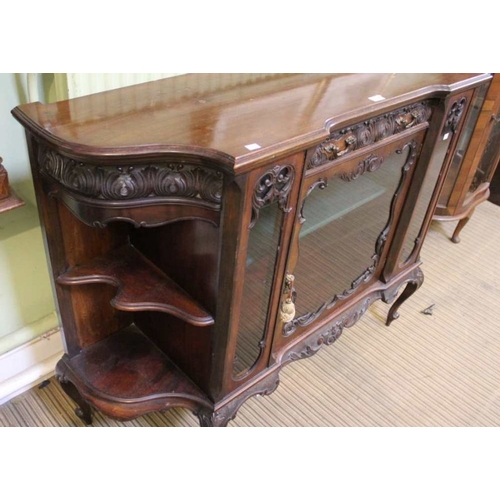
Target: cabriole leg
<point x="409" y="290"/>
<point x="461" y="224"/>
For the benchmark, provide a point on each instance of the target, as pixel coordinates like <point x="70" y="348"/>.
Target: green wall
<point x="26" y="301"/>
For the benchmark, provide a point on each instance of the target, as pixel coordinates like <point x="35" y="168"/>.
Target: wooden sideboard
<point x="8" y="198"/>
<point x="474" y="162"/>
<point x="205" y="230"/>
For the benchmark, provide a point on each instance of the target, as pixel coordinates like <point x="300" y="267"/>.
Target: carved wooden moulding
<point x="131" y="182"/>
<point x="368" y="132"/>
<point x="274" y="185"/>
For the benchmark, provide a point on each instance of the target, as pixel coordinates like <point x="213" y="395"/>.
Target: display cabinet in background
<point x="205" y="230"/>
<point x="474" y="161"/>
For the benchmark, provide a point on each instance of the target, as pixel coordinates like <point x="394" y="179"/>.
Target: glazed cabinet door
<point x="346" y="215"/>
<point x="269" y="213"/>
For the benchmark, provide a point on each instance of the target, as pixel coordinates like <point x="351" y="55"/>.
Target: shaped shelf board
<point x="129" y="372"/>
<point x="141" y="285"/>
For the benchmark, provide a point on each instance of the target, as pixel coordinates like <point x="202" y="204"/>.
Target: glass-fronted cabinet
<point x="474" y="158"/>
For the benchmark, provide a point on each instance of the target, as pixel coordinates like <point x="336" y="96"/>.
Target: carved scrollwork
<point x="417" y="277"/>
<point x="329" y="335"/>
<point x="455" y="114"/>
<point x="274" y="185"/>
<point x="133" y="181"/>
<point x="369" y="132"/>
<point x="320" y="184"/>
<point x="370" y="164"/>
<point x="222" y="416"/>
<point x="368" y="273"/>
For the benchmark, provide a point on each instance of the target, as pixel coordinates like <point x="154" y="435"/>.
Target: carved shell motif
<point x="134" y="181"/>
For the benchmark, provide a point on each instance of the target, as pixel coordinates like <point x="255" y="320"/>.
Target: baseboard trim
<point x="29" y="364"/>
<point x="20" y="338"/>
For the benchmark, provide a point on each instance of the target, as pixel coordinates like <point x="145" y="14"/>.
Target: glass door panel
<point x="345" y="221"/>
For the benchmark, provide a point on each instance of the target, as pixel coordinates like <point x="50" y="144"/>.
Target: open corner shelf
<point x="141" y="285"/>
<point x="127" y="368"/>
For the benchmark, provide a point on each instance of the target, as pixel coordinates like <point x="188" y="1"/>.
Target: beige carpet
<point x="439" y="370"/>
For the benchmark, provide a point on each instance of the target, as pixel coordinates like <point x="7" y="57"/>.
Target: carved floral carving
<point x="133" y="181"/>
<point x="274" y="185"/>
<point x="369" y="132"/>
<point x="454" y="115"/>
<point x="367" y="274"/>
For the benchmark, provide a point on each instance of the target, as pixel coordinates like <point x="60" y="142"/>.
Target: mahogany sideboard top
<point x="217" y="116"/>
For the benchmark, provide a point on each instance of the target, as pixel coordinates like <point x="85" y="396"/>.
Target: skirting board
<point x="28" y="364"/>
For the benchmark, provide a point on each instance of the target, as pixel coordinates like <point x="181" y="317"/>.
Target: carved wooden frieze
<point x="274" y="185"/>
<point x="329" y="335"/>
<point x="363" y="167"/>
<point x="133" y="181"/>
<point x="369" y="132"/>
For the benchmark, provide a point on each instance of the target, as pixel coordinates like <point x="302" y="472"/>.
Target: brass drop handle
<point x="287" y="311"/>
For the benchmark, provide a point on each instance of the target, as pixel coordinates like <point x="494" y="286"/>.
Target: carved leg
<point x="83" y="410"/>
<point x="409" y="290"/>
<point x="461" y="224"/>
<point x="210" y="418"/>
<point x="221" y="417"/>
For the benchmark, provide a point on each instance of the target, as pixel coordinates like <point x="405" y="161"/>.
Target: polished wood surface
<point x="141" y="285"/>
<point x="8" y="198"/>
<point x="204" y="114"/>
<point x="126" y="369"/>
<point x="150" y="189"/>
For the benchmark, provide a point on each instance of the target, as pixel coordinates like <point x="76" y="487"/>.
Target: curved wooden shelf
<point x="126" y="375"/>
<point x="141" y="285"/>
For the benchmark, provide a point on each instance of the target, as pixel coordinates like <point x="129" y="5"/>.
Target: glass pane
<point x="338" y="238"/>
<point x="488" y="160"/>
<point x="424" y="198"/>
<point x="257" y="285"/>
<point x="462" y="145"/>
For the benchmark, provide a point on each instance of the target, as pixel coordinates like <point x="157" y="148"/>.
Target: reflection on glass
<point x="487" y="163"/>
<point x="341" y="228"/>
<point x="257" y="284"/>
<point x="424" y="198"/>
